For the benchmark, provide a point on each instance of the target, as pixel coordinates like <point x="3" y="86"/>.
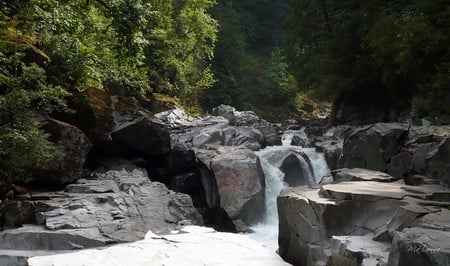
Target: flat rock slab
<point x="355" y="250"/>
<point x="191" y="245"/>
<point x="117" y="206"/>
<point x="419" y="247"/>
<point x="359" y="174"/>
<point x="369" y="190"/>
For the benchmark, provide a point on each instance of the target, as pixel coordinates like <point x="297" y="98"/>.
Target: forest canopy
<point x="267" y="56"/>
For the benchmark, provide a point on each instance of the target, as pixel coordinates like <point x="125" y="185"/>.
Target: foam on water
<point x="266" y="231"/>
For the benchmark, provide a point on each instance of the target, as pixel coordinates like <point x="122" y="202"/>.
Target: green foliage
<point x="49" y="48"/>
<point x="249" y="67"/>
<point x="394" y="49"/>
<point x="23" y="93"/>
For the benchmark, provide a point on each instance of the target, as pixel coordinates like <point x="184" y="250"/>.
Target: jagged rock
<point x="175" y="118"/>
<point x="358" y="250"/>
<point x="189" y="246"/>
<point x="419" y="246"/>
<point x="372" y="146"/>
<point x="439" y="220"/>
<point x="313" y="221"/>
<point x="332" y="150"/>
<point x="116" y="206"/>
<point x="237" y="118"/>
<point x="143" y="136"/>
<point x="271" y="136"/>
<point x="427" y="152"/>
<point x="240" y="181"/>
<point x="298" y="141"/>
<point x="358" y="174"/>
<point x="181" y="159"/>
<point x="68" y="167"/>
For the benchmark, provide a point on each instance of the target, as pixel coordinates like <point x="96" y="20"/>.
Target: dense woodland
<point x="267" y="56"/>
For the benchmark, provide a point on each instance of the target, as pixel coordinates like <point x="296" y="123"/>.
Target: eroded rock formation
<point x="112" y="207"/>
<point x="354" y="222"/>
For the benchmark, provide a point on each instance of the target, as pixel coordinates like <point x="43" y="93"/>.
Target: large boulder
<point x="69" y="167"/>
<point x="372" y="146"/>
<point x="240" y="181"/>
<point x="112" y="207"/>
<point x="426" y="152"/>
<point x="237" y="118"/>
<point x="189" y="246"/>
<point x="419" y="246"/>
<point x="332" y="150"/>
<point x="142" y="135"/>
<point x="353" y="222"/>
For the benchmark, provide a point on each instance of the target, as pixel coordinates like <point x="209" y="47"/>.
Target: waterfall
<point x="271" y="159"/>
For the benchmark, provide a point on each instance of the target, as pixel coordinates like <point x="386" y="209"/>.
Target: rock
<point x="332" y="150"/>
<point x="372" y="146"/>
<point x="358" y="174"/>
<point x="68" y="167"/>
<point x="271" y="136"/>
<point x="419" y="246"/>
<point x="428" y="121"/>
<point x="236" y="118"/>
<point x="189" y="246"/>
<point x="181" y="159"/>
<point x="116" y="206"/>
<point x="439" y="220"/>
<point x="345" y="223"/>
<point x="298" y="141"/>
<point x="297" y="170"/>
<point x="240" y="181"/>
<point x="427" y="152"/>
<point x="142" y="135"/>
<point x="174" y="118"/>
<point x="358" y="250"/>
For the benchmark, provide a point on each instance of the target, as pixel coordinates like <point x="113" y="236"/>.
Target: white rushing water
<point x="271" y="159"/>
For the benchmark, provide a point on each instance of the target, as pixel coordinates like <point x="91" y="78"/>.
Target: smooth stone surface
<point x="359" y="174"/>
<point x="419" y="247"/>
<point x="358" y="250"/>
<point x="117" y="206"/>
<point x="189" y="246"/>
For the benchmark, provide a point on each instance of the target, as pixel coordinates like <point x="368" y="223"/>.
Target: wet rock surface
<point x="222" y="149"/>
<point x="360" y="222"/>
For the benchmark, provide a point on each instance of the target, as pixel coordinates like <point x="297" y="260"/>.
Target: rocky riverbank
<point x="396" y="213"/>
<point x="129" y="170"/>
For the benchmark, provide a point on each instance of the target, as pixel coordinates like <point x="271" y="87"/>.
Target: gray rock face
<point x="238" y="118"/>
<point x="69" y="167"/>
<point x="426" y="152"/>
<point x="372" y="146"/>
<point x="226" y="167"/>
<point x="240" y="181"/>
<point x="419" y="246"/>
<point x="354" y="222"/>
<point x="401" y="151"/>
<point x="116" y="206"/>
<point x="358" y="174"/>
<point x="143" y="135"/>
<point x="332" y="150"/>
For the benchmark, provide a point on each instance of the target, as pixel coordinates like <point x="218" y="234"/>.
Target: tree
<point x="386" y="52"/>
